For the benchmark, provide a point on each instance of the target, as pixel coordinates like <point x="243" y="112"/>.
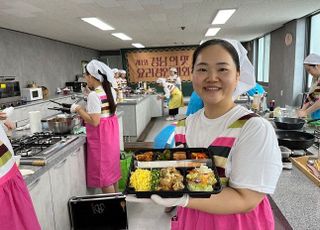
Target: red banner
<point x="154" y="63"/>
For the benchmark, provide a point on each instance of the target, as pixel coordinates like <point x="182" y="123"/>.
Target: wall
<point x="47" y="62"/>
<point x="286" y="64"/>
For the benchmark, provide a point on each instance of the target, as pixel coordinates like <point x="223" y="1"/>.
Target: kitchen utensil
<point x="288" y="123"/>
<point x="64" y="110"/>
<point x="295" y="140"/>
<point x="61" y="125"/>
<point x="310" y="165"/>
<point x="62" y="104"/>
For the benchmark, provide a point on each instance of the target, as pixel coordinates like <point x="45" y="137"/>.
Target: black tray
<point x="184" y="170"/>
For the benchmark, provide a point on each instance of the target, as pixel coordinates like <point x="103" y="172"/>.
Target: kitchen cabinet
<point x="40" y="192"/>
<point x="51" y="191"/>
<point x="61" y="192"/>
<point x="77" y="172"/>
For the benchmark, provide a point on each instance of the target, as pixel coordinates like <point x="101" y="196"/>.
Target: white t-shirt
<point x="254" y="161"/>
<point x="94" y="102"/>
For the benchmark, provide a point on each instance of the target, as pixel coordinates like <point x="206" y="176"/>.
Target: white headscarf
<point x="173" y="69"/>
<point x="247" y="76"/>
<point x="115" y="70"/>
<point x="122" y="71"/>
<point x="95" y="66"/>
<point x="312" y="59"/>
<point x="161" y="80"/>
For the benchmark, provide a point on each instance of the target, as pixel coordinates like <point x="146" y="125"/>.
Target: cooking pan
<point x="295" y="140"/>
<point x="288" y="123"/>
<point x="63" y="109"/>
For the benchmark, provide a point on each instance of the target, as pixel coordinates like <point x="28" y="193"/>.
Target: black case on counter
<point x="101" y="211"/>
<point x="158" y="156"/>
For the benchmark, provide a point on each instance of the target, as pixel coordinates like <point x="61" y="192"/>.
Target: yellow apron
<point x="176" y="99"/>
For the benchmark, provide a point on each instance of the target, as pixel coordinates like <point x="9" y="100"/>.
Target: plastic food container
<point x="180" y="160"/>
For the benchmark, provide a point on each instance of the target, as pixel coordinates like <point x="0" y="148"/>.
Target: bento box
<point x="172" y="173"/>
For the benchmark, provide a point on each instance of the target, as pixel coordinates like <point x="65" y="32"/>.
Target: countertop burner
<point x="40" y="145"/>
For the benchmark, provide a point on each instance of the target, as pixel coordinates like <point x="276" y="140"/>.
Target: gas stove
<point x="40" y="146"/>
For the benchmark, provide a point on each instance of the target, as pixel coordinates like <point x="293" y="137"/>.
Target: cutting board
<point x="301" y="163"/>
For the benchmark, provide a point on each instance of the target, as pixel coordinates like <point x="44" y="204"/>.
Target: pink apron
<point x="17" y="212"/>
<point x="103" y="153"/>
<point x="190" y="219"/>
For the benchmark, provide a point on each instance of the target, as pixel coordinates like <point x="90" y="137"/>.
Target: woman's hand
<point x="302" y="113"/>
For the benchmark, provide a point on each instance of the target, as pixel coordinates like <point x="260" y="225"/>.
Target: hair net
<point x="312" y="59"/>
<point x="173" y="69"/>
<point x="115" y="70"/>
<point x="95" y="66"/>
<point x="247" y="76"/>
<point x="161" y="80"/>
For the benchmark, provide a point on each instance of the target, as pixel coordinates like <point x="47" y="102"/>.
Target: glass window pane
<point x="314" y="39"/>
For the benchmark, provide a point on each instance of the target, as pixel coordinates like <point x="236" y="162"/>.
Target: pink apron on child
<point x="17" y="212"/>
<point x="261" y="218"/>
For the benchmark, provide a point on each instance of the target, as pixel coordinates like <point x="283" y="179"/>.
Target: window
<point x="314" y="39"/>
<point x="263" y="59"/>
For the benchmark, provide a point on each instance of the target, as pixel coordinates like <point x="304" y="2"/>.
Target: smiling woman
<point x="242" y="144"/>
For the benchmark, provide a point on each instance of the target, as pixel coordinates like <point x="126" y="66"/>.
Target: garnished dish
<point x="199" y="156"/>
<point x="147" y="156"/>
<point x="171" y="173"/>
<point x="166" y="179"/>
<point x="179" y="155"/>
<point x="201" y="179"/>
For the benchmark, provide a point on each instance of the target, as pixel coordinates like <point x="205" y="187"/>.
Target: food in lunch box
<point x="165" y="155"/>
<point x="140" y="180"/>
<point x="199" y="156"/>
<point x="155" y="179"/>
<point x="170" y="179"/>
<point x="179" y="155"/>
<point x="147" y="156"/>
<point x="201" y="179"/>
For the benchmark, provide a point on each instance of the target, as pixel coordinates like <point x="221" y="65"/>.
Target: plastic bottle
<point x="256" y="103"/>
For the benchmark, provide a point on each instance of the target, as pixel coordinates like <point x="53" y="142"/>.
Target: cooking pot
<point x="295" y="140"/>
<point x="288" y="123"/>
<point x="62" y="123"/>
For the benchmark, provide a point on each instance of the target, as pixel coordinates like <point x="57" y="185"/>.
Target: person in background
<point x="257" y="88"/>
<point x="245" y="145"/>
<point x="174" y="78"/>
<point x="195" y="103"/>
<point x="17" y="211"/>
<point x="123" y="78"/>
<point x="311" y="105"/>
<point x="117" y="77"/>
<point x="174" y="95"/>
<point x="102" y="128"/>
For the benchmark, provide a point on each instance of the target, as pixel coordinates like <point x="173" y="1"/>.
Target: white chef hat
<point x="95" y="66"/>
<point x="247" y="76"/>
<point x="312" y="59"/>
<point x="161" y="80"/>
<point x="122" y="71"/>
<point x="115" y="70"/>
<point x="173" y="69"/>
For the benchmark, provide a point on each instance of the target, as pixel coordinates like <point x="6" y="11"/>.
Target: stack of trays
<point x="172" y="173"/>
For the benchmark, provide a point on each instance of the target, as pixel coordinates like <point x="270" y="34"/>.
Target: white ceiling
<point x="150" y="22"/>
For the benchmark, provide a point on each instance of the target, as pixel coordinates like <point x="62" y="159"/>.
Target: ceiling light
<point x="98" y="23"/>
<point x="122" y="36"/>
<point x="212" y="32"/>
<point x="138" y="45"/>
<point x="222" y="16"/>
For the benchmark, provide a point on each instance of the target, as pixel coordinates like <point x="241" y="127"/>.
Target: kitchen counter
<point x="57" y="157"/>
